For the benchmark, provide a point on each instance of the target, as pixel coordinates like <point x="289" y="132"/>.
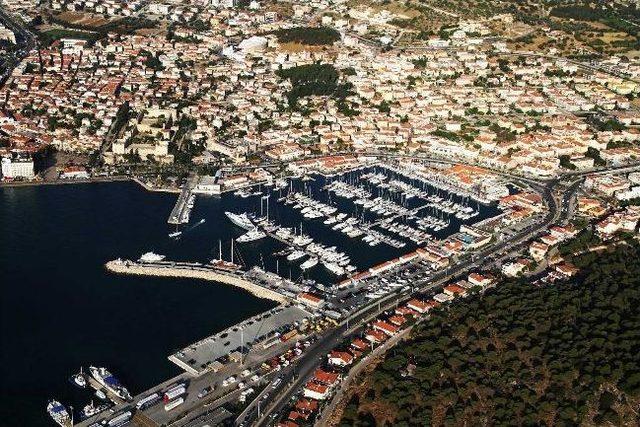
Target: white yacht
<point x="311" y="262"/>
<point x="334" y="268"/>
<point x="241" y="220"/>
<point x="295" y="255"/>
<point x="151" y="257"/>
<point x="251" y="236"/>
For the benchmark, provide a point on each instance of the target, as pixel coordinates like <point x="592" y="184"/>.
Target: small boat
<point x="90" y="410"/>
<point x="79" y="379"/>
<point x="175" y="234"/>
<point x="59" y="413"/>
<point x="334" y="268"/>
<point x="100" y="394"/>
<point x="311" y="262"/>
<point x="295" y="255"/>
<point x="251" y="236"/>
<point x="151" y="257"/>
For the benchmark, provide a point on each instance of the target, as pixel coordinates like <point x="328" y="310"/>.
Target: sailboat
<point x="79" y="379"/>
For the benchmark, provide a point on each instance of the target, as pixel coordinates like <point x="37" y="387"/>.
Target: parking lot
<point x="215" y="350"/>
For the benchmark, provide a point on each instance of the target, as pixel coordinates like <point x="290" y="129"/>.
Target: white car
<point x="246" y="373"/>
<point x="255" y="378"/>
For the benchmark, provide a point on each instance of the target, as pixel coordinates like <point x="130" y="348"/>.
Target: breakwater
<point x="194" y="271"/>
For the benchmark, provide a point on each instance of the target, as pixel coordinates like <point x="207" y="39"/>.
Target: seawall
<point x="193" y="271"/>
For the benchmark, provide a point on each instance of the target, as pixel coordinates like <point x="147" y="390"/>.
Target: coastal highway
<point x="296" y="376"/>
<point x="25" y="41"/>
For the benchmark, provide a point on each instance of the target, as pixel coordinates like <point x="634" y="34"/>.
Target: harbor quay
<point x="259" y="332"/>
<point x="196" y="407"/>
<point x="240" y="352"/>
<point x="194" y="271"/>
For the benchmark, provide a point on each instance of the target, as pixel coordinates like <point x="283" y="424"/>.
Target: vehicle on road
<point x="205" y="391"/>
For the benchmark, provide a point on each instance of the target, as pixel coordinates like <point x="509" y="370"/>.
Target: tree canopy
<point x="314" y="79"/>
<point x="564" y="354"/>
<point x="313" y="36"/>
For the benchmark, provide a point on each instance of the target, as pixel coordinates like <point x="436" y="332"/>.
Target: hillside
<point x="520" y="355"/>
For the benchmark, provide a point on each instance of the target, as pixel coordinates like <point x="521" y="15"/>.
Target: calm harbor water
<point x="61" y="309"/>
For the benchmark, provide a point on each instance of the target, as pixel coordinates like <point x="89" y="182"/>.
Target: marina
<point x="302" y="236"/>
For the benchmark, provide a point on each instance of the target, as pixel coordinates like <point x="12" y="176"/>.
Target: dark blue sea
<point x="60" y="309"/>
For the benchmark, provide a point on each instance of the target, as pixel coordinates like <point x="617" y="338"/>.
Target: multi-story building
<point x="17" y="166"/>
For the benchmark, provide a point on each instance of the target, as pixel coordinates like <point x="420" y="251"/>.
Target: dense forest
<point x="314" y="79"/>
<point x="313" y="36"/>
<point x="564" y="354"/>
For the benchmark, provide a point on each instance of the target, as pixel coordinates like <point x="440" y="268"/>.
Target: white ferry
<point x="106" y="379"/>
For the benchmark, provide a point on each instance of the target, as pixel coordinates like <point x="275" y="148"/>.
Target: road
<point x="486" y="257"/>
<point x="25" y="42"/>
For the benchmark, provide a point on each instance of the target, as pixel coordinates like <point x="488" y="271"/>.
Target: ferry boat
<point x="240" y="220"/>
<point x="251" y="236"/>
<point x="311" y="262"/>
<point x="105" y="378"/>
<point x="151" y="257"/>
<point x="59" y="413"/>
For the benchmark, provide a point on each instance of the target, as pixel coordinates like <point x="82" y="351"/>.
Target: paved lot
<point x="253" y="330"/>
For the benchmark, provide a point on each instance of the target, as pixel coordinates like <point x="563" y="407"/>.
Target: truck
<point x="174" y="392"/>
<point x="148" y="401"/>
<point x="174" y="404"/>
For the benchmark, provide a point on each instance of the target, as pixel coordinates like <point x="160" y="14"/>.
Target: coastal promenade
<point x="194" y="271"/>
<point x="34" y="183"/>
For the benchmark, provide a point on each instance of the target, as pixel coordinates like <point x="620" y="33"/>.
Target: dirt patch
<point x="299" y="47"/>
<point x="82" y="19"/>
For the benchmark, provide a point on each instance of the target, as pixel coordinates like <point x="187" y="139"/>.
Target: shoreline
<point x="95" y="180"/>
<point x="193" y="271"/>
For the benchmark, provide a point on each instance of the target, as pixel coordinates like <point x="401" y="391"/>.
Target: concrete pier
<point x="181" y="211"/>
<point x="194" y="271"/>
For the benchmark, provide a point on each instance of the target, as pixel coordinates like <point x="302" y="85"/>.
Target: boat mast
<point x="219" y="250"/>
<point x="231" y="251"/>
